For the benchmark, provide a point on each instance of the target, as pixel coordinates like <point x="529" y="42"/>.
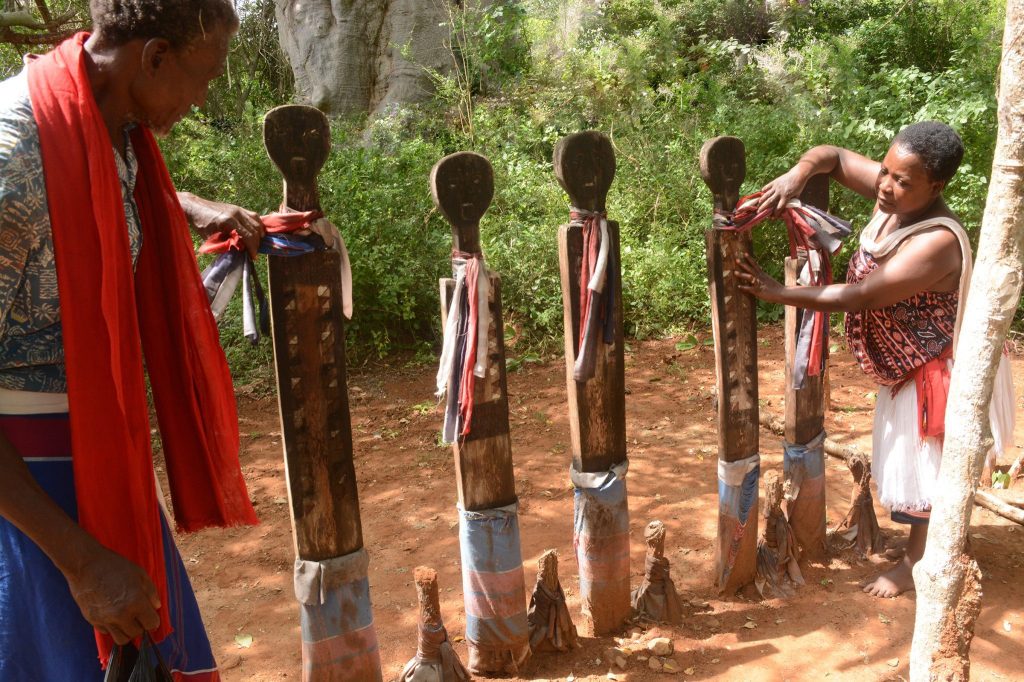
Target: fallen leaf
<point x="1007" y="626"/>
<point x="884" y="619"/>
<point x="893" y="662"/>
<point x="780" y="621"/>
<point x="750" y="625"/>
<point x="690" y="671"/>
<point x="458" y="638"/>
<point x="243" y="641"/>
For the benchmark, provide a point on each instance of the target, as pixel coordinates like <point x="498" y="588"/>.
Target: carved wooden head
<point x="773" y="492"/>
<point x="298" y="139"/>
<point x="585" y="167"/>
<point x="462" y="185"/>
<point x="723" y="165"/>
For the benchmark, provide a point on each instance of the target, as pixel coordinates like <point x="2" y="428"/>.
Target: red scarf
<point x="106" y="309"/>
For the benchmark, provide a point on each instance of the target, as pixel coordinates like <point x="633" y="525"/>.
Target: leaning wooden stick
<point x="338" y="637"/>
<point x="656" y="600"/>
<point x="435" y="659"/>
<point x="551" y="627"/>
<point x="733" y="320"/>
<point x="588" y="248"/>
<point x="472" y="374"/>
<point x="803" y="451"/>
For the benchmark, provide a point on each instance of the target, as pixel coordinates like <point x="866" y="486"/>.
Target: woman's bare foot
<point x="894" y="582"/>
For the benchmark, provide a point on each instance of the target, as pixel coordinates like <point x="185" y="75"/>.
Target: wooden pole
<point x="462" y="185"/>
<point x="584" y="165"/>
<point x="734" y="322"/>
<point x="947" y="578"/>
<point x="338" y="638"/>
<point x="805" y="416"/>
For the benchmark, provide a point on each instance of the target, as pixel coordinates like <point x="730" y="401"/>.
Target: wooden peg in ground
<point x="309" y="356"/>
<point x="859" y="528"/>
<point x="494" y="589"/>
<point x="551" y="626"/>
<point x="777" y="567"/>
<point x="734" y="322"/>
<point x="435" y="659"/>
<point x="805" y="409"/>
<point x="656" y="600"/>
<point x="584" y="165"/>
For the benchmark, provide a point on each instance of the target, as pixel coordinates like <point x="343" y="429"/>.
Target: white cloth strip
<point x="333" y="240"/>
<point x="31" y="402"/>
<point x="733" y="473"/>
<point x="314" y="580"/>
<point x="591" y="480"/>
<point x="483" y="311"/>
<point x="451" y="330"/>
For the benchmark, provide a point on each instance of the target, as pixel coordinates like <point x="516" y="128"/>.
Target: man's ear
<point x="154" y="52"/>
<point x="937" y="187"/>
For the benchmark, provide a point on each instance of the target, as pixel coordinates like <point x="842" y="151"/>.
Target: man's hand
<point x="211" y="218"/>
<point x="114" y="595"/>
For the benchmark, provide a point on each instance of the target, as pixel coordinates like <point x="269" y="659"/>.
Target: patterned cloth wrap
<point x="803" y="466"/>
<point x="601" y="533"/>
<point x="43" y="635"/>
<point x="494" y="589"/>
<point x="737" y="495"/>
<point x="337" y="620"/>
<point x="891" y="343"/>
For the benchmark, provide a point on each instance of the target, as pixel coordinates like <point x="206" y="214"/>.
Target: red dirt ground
<point x="243" y="577"/>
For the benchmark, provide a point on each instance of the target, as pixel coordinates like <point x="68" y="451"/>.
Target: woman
<point x="902" y="302"/>
<point x="97" y="276"/>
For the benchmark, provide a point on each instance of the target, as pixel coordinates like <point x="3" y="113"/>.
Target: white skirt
<point x="904" y="466"/>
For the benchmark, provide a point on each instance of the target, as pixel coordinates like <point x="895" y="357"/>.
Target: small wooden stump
<point x="777" y="567"/>
<point x="734" y="322"/>
<point x="859" y="528"/>
<point x="584" y="165"/>
<point x="656" y="600"/>
<point x="338" y="638"/>
<point x="435" y="659"/>
<point x="551" y="626"/>
<point x="805" y="418"/>
<point x="493" y="583"/>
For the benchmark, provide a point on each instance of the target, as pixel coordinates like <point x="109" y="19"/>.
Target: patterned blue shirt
<point x="31" y="345"/>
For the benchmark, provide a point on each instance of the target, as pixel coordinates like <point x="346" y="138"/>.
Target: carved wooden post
<point x="595" y="378"/>
<point x="551" y="626"/>
<point x="493" y="582"/>
<point x="733" y="319"/>
<point x="804" y="459"/>
<point x="656" y="600"/>
<point x="338" y="637"/>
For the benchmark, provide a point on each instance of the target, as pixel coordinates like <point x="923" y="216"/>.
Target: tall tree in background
<point x="364" y="55"/>
<point x="27" y="23"/>
<point x="947" y="578"/>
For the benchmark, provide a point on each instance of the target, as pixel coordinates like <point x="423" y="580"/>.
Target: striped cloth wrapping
<point x="339" y="641"/>
<point x="601" y="534"/>
<point x="737" y="495"/>
<point x="494" y="589"/>
<point x="804" y="469"/>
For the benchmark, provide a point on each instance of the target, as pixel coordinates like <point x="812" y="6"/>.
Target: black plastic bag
<point x="143" y="664"/>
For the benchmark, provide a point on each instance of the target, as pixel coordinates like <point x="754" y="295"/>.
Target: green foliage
<point x="659" y="77"/>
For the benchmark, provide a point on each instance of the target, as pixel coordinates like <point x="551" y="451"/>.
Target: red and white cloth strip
<point x="464" y="352"/>
<point x="593" y="276"/>
<point x="805" y="226"/>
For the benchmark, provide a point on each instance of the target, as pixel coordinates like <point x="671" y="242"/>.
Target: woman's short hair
<point x="936" y="144"/>
<point x="179" y="22"/>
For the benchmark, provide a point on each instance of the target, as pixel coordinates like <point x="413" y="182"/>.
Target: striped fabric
<point x="339" y="641"/>
<point x="737" y="494"/>
<point x="43" y="637"/>
<point x="494" y="589"/>
<point x="601" y="535"/>
<point x="804" y="469"/>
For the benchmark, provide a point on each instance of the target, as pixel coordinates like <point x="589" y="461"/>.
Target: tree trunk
<point x="362" y="56"/>
<point x="947" y="578"/>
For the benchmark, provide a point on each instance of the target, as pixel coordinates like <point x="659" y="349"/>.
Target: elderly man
<point x="98" y="279"/>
